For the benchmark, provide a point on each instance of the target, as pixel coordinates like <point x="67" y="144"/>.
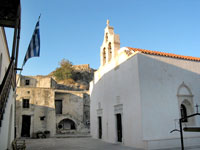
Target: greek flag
<point x="34" y="45"/>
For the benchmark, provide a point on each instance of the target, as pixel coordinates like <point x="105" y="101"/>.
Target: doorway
<point x="119" y="127"/>
<point x="100" y="127"/>
<point x="58" y="105"/>
<point x="26" y="123"/>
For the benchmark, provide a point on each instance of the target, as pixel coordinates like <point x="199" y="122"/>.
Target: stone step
<point x="72" y="136"/>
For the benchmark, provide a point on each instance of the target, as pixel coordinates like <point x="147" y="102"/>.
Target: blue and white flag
<point x="34" y="45"/>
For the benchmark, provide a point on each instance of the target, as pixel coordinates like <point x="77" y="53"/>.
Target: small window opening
<point x="27" y="82"/>
<point x="104" y="56"/>
<point x="42" y="117"/>
<point x="109" y="52"/>
<point x="25" y="103"/>
<point x="106" y="37"/>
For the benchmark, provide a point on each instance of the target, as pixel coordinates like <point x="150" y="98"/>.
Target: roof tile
<point x="160" y="54"/>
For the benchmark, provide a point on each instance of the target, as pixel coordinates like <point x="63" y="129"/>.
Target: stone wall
<point x="42" y="93"/>
<point x="84" y="67"/>
<point x="41" y="104"/>
<point x="36" y="81"/>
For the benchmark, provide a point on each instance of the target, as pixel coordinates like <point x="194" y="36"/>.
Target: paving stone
<point x="73" y="144"/>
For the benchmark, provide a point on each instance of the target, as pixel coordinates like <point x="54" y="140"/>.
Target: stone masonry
<point x="42" y="107"/>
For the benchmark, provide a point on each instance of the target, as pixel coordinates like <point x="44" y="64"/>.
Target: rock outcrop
<point x="82" y="75"/>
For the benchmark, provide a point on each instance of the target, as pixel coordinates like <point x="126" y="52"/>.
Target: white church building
<point x="138" y="96"/>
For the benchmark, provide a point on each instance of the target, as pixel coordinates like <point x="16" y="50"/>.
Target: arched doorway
<point x="67" y="124"/>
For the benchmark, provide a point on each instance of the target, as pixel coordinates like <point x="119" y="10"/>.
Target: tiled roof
<point x="161" y="54"/>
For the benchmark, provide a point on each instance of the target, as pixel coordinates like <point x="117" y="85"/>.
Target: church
<point x="138" y="96"/>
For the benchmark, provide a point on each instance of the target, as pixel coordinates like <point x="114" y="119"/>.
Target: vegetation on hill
<point x="64" y="71"/>
<point x="76" y="77"/>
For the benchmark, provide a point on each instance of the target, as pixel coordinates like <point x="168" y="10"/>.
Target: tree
<point x="64" y="71"/>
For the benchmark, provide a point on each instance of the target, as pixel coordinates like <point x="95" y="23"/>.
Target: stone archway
<point x="66" y="124"/>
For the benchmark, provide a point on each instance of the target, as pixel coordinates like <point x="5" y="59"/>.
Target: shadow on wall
<point x="32" y="119"/>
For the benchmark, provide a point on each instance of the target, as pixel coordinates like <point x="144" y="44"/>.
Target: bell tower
<point x="110" y="46"/>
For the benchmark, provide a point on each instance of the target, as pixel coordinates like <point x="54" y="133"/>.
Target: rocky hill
<point x="81" y="77"/>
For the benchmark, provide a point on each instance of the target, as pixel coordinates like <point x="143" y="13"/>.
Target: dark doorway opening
<point x="119" y="127"/>
<point x="26" y="123"/>
<point x="100" y="127"/>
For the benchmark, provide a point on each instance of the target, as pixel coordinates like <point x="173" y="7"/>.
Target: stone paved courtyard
<point x="78" y="144"/>
<point x="72" y="144"/>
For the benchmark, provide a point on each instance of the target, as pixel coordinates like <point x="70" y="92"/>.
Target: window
<point x="104" y="56"/>
<point x="58" y="105"/>
<point x="27" y="82"/>
<point x="42" y="118"/>
<point x="184" y="113"/>
<point x="25" y="103"/>
<point x="106" y="37"/>
<point x="109" y="52"/>
<point x="186" y="104"/>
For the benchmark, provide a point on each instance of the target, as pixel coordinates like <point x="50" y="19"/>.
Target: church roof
<point x="128" y="52"/>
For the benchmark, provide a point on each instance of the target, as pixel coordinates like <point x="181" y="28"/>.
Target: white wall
<point x="118" y="86"/>
<point x="160" y="78"/>
<point x="5" y="54"/>
<point x="147" y="86"/>
<point x="7" y="128"/>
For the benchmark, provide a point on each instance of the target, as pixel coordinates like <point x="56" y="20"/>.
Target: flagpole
<point x="21" y="69"/>
<point x="39" y="17"/>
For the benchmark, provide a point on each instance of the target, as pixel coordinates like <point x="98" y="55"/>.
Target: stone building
<point x="42" y="105"/>
<point x="137" y="96"/>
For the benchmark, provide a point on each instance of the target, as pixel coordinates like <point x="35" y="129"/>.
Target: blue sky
<point x="74" y="29"/>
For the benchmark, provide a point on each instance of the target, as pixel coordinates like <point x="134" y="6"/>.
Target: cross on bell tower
<point x="110" y="45"/>
<point x="108" y="22"/>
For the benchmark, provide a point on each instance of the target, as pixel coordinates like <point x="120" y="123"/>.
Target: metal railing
<point x="8" y="80"/>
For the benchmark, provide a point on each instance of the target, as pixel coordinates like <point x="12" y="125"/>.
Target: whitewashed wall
<point x="5" y="54"/>
<point x="160" y="78"/>
<point x="7" y="128"/>
<point x="147" y="87"/>
<point x="120" y="85"/>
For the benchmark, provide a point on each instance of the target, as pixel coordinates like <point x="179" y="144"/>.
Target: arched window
<point x="104" y="56"/>
<point x="109" y="51"/>
<point x="186" y="104"/>
<point x="184" y="113"/>
<point x="106" y="37"/>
